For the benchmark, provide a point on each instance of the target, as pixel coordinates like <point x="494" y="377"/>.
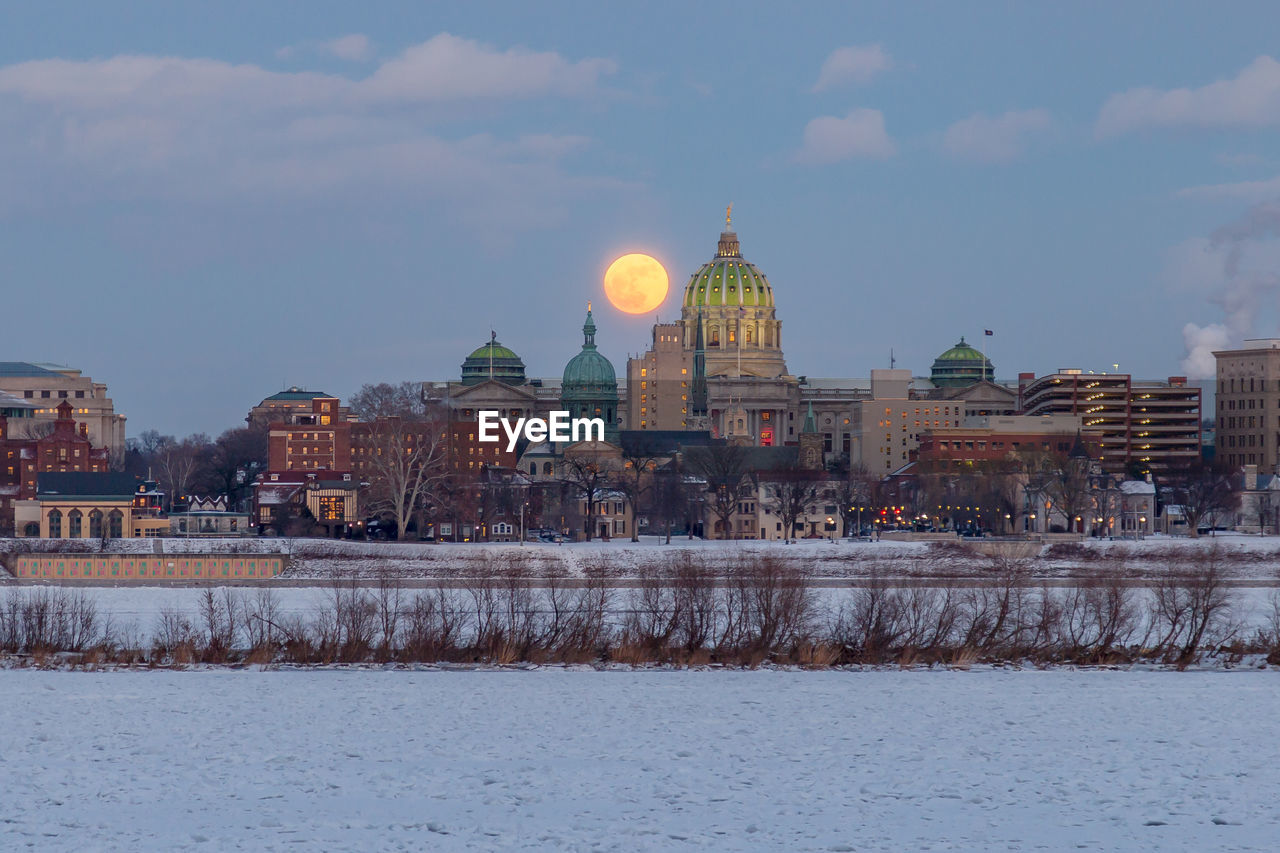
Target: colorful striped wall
<point x="70" y="567"/>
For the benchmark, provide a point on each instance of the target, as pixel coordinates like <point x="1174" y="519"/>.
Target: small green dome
<point x="493" y="361"/>
<point x="728" y="280"/>
<point x="961" y="366"/>
<point x="589" y="374"/>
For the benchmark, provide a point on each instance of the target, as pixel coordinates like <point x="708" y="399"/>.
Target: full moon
<point x="636" y="283"/>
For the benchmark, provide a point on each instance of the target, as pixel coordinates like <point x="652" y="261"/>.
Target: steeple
<point x="698" y="395"/>
<point x="810" y="455"/>
<point x="810" y="422"/>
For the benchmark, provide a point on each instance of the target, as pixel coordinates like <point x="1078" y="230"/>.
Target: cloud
<point x="828" y="139"/>
<point x="444" y="68"/>
<point x="173" y="127"/>
<point x="1250" y="99"/>
<point x="856" y="64"/>
<point x="994" y="139"/>
<point x="353" y="48"/>
<point x="1240" y="190"/>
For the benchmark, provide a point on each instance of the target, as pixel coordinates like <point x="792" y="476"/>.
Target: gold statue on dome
<point x="728" y="217"/>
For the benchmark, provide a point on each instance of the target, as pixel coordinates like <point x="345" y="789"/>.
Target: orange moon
<point x="636" y="283"/>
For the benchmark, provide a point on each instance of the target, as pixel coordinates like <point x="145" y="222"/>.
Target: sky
<point x="203" y="203"/>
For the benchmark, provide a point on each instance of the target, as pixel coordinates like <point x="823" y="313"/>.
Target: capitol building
<point x="721" y="370"/>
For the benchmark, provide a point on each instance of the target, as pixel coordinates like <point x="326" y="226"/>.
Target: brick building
<point x="25" y="454"/>
<point x="994" y="438"/>
<point x="47" y="385"/>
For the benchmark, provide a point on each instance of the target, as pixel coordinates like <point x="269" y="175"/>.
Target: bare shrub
<point x="1099" y="621"/>
<point x="388" y="598"/>
<point x="175" y="637"/>
<point x="219" y="618"/>
<point x="433" y="624"/>
<point x="651" y="620"/>
<point x="1191" y="609"/>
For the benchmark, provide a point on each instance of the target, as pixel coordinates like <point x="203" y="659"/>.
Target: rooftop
<point x="296" y="393"/>
<point x="25" y="369"/>
<point x="85" y="484"/>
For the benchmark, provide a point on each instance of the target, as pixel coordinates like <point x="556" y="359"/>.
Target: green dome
<point x="728" y="280"/>
<point x="961" y="366"/>
<point x="590" y="387"/>
<point x="589" y="373"/>
<point x="493" y="361"/>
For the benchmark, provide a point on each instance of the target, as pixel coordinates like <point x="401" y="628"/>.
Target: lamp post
<point x="523" y="504"/>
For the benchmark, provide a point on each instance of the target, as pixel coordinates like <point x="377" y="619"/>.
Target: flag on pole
<point x="989" y="333"/>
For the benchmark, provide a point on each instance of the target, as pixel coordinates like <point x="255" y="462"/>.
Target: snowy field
<point x="1242" y="557"/>
<point x="634" y="761"/>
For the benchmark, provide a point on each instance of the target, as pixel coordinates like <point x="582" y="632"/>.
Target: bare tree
<point x="791" y="493"/>
<point x="403" y="461"/>
<point x="723" y="467"/>
<point x="854" y="489"/>
<point x="1066" y="484"/>
<point x="233" y="462"/>
<point x="385" y="400"/>
<point x="179" y="462"/>
<point x="1202" y="490"/>
<point x="590" y="475"/>
<point x="636" y="480"/>
<point x="669" y="497"/>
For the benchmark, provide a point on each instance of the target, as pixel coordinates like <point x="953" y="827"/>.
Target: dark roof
<point x="754" y="459"/>
<point x="661" y="441"/>
<point x="86" y="484"/>
<point x="24" y="368"/>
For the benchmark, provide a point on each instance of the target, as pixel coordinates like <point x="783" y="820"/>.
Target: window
<point x="115" y="524"/>
<point x="55" y="524"/>
<point x="332" y="508"/>
<point x="74" y="521"/>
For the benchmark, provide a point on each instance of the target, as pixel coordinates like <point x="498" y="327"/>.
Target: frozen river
<point x="634" y="760"/>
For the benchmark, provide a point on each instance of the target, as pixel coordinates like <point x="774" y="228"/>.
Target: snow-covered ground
<point x="1243" y="557"/>
<point x="635" y="761"/>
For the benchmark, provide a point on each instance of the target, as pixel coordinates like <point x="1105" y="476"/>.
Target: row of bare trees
<point x="199" y="464"/>
<point x="684" y="611"/>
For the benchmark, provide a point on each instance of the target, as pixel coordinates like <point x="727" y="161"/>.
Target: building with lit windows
<point x="1139" y="425"/>
<point x="283" y="404"/>
<point x="64" y="449"/>
<point x="87" y="505"/>
<point x="47" y="385"/>
<point x="725" y="355"/>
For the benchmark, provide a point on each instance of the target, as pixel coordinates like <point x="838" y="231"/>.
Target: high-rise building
<point x="1247" y="416"/>
<point x="1142" y="423"/>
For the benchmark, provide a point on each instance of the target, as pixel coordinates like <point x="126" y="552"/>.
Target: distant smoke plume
<point x="1201" y="342"/>
<point x="1248" y="282"/>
